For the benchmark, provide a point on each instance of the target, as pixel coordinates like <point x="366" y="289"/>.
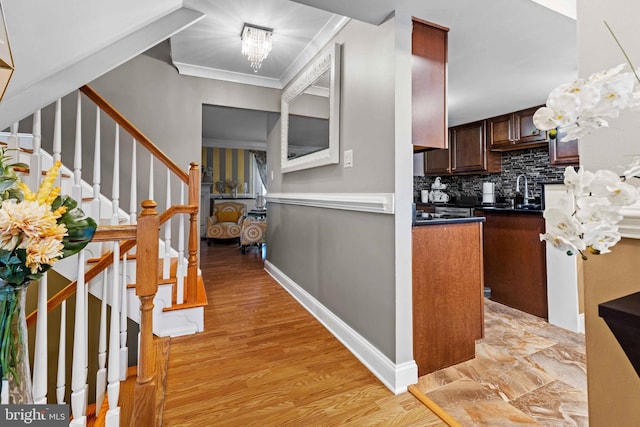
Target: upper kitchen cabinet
<point x="563" y="153"/>
<point x="515" y="131"/>
<point x="429" y="86"/>
<point x="468" y="150"/>
<point x="437" y="162"/>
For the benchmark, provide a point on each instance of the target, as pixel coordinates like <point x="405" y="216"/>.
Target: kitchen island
<point x="448" y="283"/>
<point x="515" y="266"/>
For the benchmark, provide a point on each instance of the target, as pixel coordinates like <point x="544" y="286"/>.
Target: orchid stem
<point x="623" y="51"/>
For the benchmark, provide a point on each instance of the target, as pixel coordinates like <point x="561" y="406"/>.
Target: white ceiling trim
<point x="234" y="143"/>
<point x="229" y="76"/>
<point x="565" y="7"/>
<point x="324" y="36"/>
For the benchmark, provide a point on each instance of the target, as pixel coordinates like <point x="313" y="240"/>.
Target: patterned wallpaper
<point x="227" y="164"/>
<point x="533" y="162"/>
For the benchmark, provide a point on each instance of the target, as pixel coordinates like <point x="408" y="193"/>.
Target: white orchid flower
<point x="633" y="170"/>
<point x="601" y="237"/>
<point x="622" y="194"/>
<point x="603" y="179"/>
<point x="606" y="74"/>
<point x="561" y="110"/>
<point x="577" y="181"/>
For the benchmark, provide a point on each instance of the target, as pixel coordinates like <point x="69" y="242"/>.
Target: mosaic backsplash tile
<point x="533" y="162"/>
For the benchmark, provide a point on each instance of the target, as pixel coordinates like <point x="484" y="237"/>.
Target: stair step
<point x="27" y="170"/>
<point x="201" y="299"/>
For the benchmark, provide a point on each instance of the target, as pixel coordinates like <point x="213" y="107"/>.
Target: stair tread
<point x="201" y="299"/>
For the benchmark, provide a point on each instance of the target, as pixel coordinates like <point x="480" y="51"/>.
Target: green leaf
<point x="80" y="228"/>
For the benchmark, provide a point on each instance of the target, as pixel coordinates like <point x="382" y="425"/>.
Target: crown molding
<point x="324" y="36"/>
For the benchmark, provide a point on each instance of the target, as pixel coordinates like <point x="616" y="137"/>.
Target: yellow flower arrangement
<point x="36" y="230"/>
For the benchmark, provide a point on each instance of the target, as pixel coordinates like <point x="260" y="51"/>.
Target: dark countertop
<point x="441" y="221"/>
<point x="509" y="210"/>
<point x="498" y="207"/>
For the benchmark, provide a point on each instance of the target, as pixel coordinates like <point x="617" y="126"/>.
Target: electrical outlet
<point x="348" y="158"/>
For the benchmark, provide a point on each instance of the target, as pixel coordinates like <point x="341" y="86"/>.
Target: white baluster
<point x="166" y="264"/>
<point x="151" y="177"/>
<point x="182" y="268"/>
<point x="35" y="165"/>
<point x="124" y="350"/>
<point x="78" y="370"/>
<point x="40" y="354"/>
<point x="115" y="188"/>
<point x="101" y="375"/>
<point x="57" y="132"/>
<point x="95" y="207"/>
<point x="133" y="198"/>
<point x="113" y="374"/>
<point x="61" y="378"/>
<point x="13" y="142"/>
<point x="76" y="193"/>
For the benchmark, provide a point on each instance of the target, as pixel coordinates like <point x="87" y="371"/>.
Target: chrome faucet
<point x="525" y="199"/>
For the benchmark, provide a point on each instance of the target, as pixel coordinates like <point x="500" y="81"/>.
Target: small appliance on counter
<point x="437" y="194"/>
<point x="488" y="193"/>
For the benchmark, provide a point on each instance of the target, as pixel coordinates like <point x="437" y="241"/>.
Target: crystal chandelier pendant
<point x="256" y="44"/>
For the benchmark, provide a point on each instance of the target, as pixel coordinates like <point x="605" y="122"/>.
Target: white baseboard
<point x="397" y="377"/>
<point x="581" y="323"/>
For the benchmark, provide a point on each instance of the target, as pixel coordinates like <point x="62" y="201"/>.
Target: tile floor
<point x="526" y="372"/>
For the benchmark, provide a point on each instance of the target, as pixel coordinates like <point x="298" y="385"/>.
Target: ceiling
<point x="504" y="55"/>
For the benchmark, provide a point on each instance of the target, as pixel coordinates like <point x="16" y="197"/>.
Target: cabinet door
<point x="563" y="153"/>
<point x="500" y="131"/>
<point x="526" y="132"/>
<point x="468" y="147"/>
<point x="428" y="86"/>
<point x="436" y="162"/>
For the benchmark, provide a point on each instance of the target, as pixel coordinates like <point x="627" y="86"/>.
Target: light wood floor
<point x="264" y="361"/>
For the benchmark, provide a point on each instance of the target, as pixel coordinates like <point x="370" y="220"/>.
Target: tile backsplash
<point x="533" y="162"/>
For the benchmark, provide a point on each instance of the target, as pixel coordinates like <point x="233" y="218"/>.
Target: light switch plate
<point x="348" y="158"/>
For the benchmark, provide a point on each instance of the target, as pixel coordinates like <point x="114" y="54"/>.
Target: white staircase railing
<point x="113" y="265"/>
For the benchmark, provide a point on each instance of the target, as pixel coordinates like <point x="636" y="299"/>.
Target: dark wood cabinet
<point x="448" y="303"/>
<point x="468" y="150"/>
<point x="515" y="266"/>
<point x="563" y="153"/>
<point x="429" y="86"/>
<point x="437" y="162"/>
<point x="500" y="131"/>
<point x="515" y="131"/>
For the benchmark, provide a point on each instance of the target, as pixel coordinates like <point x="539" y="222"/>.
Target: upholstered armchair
<point x="226" y="221"/>
<point x="254" y="232"/>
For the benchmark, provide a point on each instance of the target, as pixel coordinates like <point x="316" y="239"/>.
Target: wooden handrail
<point x="108" y="233"/>
<point x="133" y="131"/>
<point x="177" y="209"/>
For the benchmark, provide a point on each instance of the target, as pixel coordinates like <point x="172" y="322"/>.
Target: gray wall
<point x="345" y="259"/>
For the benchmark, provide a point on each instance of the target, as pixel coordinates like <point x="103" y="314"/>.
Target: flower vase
<point x="234" y="193"/>
<point x="14" y="352"/>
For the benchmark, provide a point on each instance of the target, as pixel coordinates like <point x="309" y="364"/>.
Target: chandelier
<point x="256" y="44"/>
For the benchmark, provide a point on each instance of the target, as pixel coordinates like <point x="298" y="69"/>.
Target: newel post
<point x="146" y="288"/>
<point x="192" y="263"/>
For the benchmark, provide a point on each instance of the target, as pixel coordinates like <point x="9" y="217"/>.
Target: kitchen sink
<point x="530" y="206"/>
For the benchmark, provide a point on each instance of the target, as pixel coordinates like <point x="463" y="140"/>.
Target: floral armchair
<point x="226" y="221"/>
